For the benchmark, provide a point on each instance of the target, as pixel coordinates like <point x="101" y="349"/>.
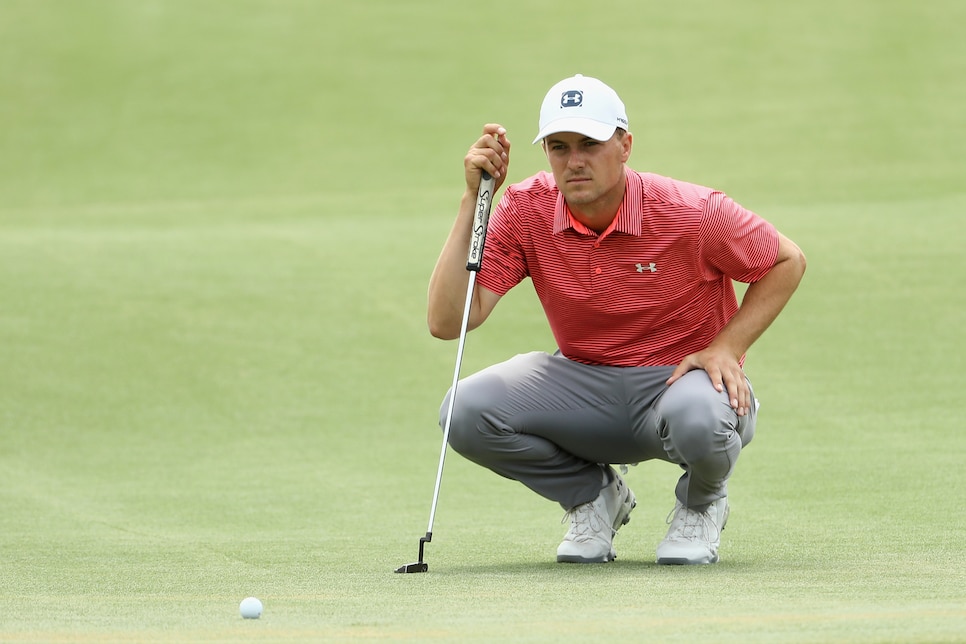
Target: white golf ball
<point x="250" y="608"/>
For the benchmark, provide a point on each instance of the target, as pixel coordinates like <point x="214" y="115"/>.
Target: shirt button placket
<point x="596" y="270"/>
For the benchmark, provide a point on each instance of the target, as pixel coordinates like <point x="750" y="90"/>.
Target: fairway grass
<point x="216" y="229"/>
<point x="199" y="417"/>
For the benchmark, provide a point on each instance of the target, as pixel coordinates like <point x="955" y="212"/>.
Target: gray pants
<point x="549" y="422"/>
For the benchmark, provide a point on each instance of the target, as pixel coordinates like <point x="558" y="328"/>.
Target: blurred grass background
<point x="217" y="219"/>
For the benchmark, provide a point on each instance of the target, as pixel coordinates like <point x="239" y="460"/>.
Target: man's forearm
<point x="447" y="286"/>
<point x="763" y="301"/>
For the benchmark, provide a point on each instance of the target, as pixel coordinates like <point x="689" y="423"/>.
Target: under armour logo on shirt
<point x="652" y="267"/>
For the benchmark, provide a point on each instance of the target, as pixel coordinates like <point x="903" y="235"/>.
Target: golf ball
<point x="250" y="608"/>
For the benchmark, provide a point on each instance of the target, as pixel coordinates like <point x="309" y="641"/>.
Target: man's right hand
<point x="448" y="284"/>
<point x="491" y="153"/>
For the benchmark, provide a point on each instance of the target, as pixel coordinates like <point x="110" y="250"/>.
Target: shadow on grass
<point x="551" y="568"/>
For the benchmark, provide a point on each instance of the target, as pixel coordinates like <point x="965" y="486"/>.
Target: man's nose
<point x="576" y="159"/>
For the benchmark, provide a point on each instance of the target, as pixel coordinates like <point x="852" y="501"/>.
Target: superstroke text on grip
<point x="481" y="218"/>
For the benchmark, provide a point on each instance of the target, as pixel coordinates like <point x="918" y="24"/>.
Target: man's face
<point x="586" y="170"/>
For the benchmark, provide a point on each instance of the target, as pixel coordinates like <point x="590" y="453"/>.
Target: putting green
<point x="217" y="221"/>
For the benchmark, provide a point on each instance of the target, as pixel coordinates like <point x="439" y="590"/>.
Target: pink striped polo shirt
<point x="651" y="289"/>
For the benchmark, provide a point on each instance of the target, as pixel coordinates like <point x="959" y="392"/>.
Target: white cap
<point x="583" y="105"/>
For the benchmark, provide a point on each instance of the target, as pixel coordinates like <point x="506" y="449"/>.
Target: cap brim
<point x="594" y="129"/>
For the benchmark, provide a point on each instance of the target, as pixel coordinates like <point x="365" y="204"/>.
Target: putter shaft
<point x="474" y="260"/>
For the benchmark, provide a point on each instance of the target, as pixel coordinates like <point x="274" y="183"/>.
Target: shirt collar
<point x="628" y="219"/>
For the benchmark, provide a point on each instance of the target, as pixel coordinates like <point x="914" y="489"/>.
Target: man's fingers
<point x="490" y="153"/>
<point x="486" y="160"/>
<point x="724" y="376"/>
<point x="738" y="393"/>
<point x="717" y="379"/>
<point x="681" y="369"/>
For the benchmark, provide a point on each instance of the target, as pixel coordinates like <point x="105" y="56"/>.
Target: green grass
<point x="217" y="220"/>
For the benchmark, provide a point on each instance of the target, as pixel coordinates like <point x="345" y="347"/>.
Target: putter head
<point x="419" y="566"/>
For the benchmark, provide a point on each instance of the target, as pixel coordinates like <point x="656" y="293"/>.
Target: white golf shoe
<point x="694" y="537"/>
<point x="593" y="525"/>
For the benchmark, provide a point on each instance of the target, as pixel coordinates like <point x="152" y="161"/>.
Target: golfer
<point x="635" y="273"/>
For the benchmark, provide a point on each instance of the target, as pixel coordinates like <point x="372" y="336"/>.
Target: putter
<point x="484" y="200"/>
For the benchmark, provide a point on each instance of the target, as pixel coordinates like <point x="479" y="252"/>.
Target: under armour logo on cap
<point x="572" y="98"/>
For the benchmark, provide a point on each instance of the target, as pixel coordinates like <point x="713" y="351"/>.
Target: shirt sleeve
<point x="735" y="241"/>
<point x="504" y="262"/>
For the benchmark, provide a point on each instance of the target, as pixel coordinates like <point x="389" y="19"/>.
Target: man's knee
<point x="694" y="417"/>
<point x="472" y="424"/>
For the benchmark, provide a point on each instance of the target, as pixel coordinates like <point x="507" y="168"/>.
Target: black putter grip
<point x="481" y="218"/>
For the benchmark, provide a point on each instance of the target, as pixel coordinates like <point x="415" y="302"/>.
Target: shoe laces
<point x="586" y="521"/>
<point x="691" y="525"/>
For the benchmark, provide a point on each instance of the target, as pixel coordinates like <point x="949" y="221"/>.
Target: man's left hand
<point x="726" y="375"/>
